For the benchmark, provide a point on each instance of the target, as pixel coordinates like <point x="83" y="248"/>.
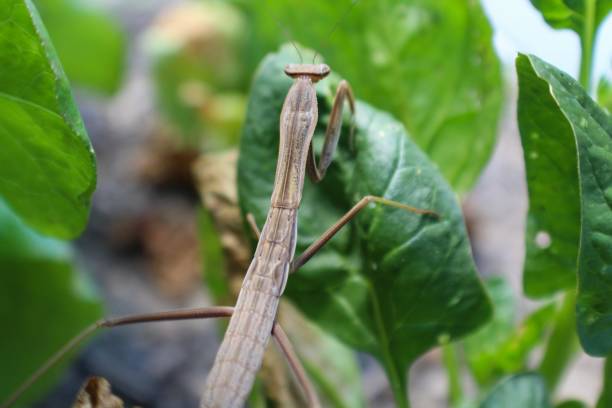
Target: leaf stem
<point x="397" y="381"/>
<point x="451" y="362"/>
<point x="562" y="343"/>
<point x="587" y="42"/>
<point x="398" y="389"/>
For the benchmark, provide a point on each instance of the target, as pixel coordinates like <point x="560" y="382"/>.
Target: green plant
<point x="387" y="285"/>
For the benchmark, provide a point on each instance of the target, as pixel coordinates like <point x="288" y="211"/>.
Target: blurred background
<point x="163" y="86"/>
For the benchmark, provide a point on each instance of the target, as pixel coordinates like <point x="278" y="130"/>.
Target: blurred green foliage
<point x="522" y="390"/>
<point x="90" y="44"/>
<point x="501" y="347"/>
<point x="43" y="303"/>
<point x="199" y="72"/>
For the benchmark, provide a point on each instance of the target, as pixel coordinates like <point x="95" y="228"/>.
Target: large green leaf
<point x="430" y="63"/>
<point x="553" y="222"/>
<point x="567" y="140"/>
<point x="43" y="303"/>
<point x="392" y="283"/>
<point x="90" y="44"/>
<point x="522" y="390"/>
<point x="47" y="165"/>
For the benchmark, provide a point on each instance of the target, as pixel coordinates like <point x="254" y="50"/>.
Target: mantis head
<point x="315" y="72"/>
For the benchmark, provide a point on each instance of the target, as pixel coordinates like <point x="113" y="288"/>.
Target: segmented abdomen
<point x="241" y="352"/>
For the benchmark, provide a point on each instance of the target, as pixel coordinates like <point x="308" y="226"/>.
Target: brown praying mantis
<point x="253" y="318"/>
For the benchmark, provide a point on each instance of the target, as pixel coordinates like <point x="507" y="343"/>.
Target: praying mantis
<point x="253" y="318"/>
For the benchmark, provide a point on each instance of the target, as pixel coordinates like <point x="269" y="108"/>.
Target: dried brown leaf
<point x="216" y="181"/>
<point x="96" y="393"/>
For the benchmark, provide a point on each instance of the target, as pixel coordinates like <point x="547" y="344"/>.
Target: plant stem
<point x="587" y="40"/>
<point x="398" y="388"/>
<point x="397" y="381"/>
<point x="451" y="362"/>
<point x="561" y="346"/>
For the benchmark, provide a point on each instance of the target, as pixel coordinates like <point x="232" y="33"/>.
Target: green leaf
<point x="522" y="390"/>
<point x="571" y="404"/>
<point x="90" y="45"/>
<point x="43" y="303"/>
<point x="604" y="94"/>
<point x="553" y="221"/>
<point x="407" y="58"/>
<point x="584" y="18"/>
<point x="572" y="14"/>
<point x="514" y="352"/>
<point x="567" y="140"/>
<point x="47" y="165"/>
<point x="391" y="283"/>
<point x="481" y="347"/>
<point x="605" y="399"/>
<point x="499" y="347"/>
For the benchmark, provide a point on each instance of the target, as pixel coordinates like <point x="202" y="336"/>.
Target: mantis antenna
<point x="338" y="22"/>
<point x="287" y="36"/>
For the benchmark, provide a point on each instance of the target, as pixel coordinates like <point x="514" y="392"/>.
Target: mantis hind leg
<point x="316" y="172"/>
<point x="296" y="366"/>
<point x="185" y="314"/>
<point x="331" y="231"/>
<point x="200" y="313"/>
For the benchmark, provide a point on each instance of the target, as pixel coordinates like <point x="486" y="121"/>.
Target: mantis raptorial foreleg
<point x="316" y="172"/>
<point x="187" y="314"/>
